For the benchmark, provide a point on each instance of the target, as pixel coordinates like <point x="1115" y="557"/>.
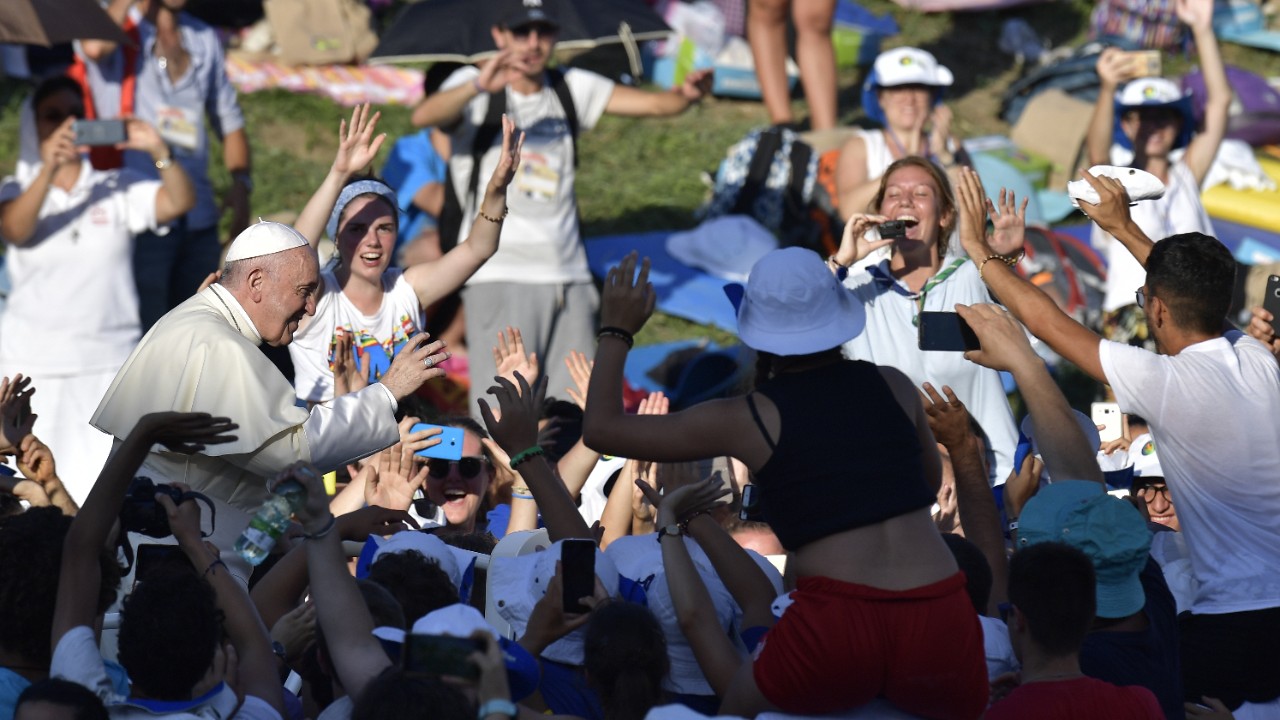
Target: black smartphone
<point x="441" y="655"/>
<point x="1271" y="301"/>
<point x="150" y="557"/>
<point x="946" y="331"/>
<point x="892" y="229"/>
<point x="100" y="132"/>
<point x="578" y="573"/>
<point x="750" y="504"/>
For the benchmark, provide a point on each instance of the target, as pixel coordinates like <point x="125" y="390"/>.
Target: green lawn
<point x="638" y="175"/>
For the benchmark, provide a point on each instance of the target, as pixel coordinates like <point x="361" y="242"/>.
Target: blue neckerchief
<point x="161" y="707"/>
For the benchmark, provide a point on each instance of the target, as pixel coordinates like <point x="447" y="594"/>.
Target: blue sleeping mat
<point x="682" y="291"/>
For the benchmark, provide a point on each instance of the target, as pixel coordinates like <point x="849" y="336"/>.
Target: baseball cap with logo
<point x="1109" y="530"/>
<point x="1143" y="458"/>
<point x="903" y="66"/>
<point x="518" y="13"/>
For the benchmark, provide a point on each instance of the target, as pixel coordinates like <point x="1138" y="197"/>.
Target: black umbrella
<point x="458" y="30"/>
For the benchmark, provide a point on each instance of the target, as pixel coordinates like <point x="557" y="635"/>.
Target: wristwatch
<point x="497" y="706"/>
<point x="165" y="163"/>
<point x="673" y="530"/>
<point x="278" y="649"/>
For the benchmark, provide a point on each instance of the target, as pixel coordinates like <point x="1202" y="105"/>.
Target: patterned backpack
<point x="771" y="175"/>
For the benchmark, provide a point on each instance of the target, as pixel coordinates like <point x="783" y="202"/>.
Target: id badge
<point x="538" y="178"/>
<point x="179" y="127"/>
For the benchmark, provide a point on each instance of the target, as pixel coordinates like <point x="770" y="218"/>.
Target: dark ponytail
<point x="626" y="659"/>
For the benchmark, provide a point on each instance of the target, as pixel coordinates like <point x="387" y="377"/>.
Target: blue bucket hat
<point x="1145" y="93"/>
<point x="1107" y="529"/>
<point x="903" y="66"/>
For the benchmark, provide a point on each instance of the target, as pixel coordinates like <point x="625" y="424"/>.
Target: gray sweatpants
<point x="553" y="319"/>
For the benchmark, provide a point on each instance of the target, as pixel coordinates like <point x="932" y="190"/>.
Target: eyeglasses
<point x="468" y="467"/>
<point x="1140" y="296"/>
<point x="1149" y="492"/>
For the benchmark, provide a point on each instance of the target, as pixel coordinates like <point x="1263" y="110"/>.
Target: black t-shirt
<point x="1148" y="657"/>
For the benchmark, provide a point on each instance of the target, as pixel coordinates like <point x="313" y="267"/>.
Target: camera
<point x="142" y="514"/>
<point x="892" y="229"/>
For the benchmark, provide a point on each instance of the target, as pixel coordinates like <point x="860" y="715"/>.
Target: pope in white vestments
<point x="203" y="356"/>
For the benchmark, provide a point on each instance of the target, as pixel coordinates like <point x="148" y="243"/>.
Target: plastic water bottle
<point x="270" y="522"/>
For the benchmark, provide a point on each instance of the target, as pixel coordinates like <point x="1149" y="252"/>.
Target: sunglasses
<point x="468" y="467"/>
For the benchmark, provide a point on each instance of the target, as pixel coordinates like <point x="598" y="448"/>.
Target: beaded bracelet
<point x="684" y="524"/>
<point x="526" y="454"/>
<point x="619" y="333"/>
<point x="1007" y="261"/>
<point x="494" y="220"/>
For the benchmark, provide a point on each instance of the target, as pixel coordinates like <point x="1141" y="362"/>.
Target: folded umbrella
<point x="459" y="30"/>
<point x="51" y="22"/>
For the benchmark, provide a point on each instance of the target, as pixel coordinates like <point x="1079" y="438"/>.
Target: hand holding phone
<point x="100" y="132"/>
<point x="577" y="573"/>
<point x="1271" y="300"/>
<point x="946" y="331"/>
<point x="1109" y="419"/>
<point x="450" y="447"/>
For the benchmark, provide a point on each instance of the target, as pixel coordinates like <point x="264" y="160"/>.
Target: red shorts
<point x="841" y="645"/>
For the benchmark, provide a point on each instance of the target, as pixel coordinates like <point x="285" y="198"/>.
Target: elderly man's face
<point x="288" y="295"/>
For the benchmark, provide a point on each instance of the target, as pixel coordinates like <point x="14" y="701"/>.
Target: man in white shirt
<point x="538" y="281"/>
<point x="1211" y="397"/>
<point x="203" y="357"/>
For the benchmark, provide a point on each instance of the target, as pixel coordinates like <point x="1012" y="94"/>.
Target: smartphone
<point x="1107" y="416"/>
<point x="578" y="573"/>
<point x="148" y="557"/>
<point x="100" y="132"/>
<point x="450" y="447"/>
<point x="946" y="331"/>
<point x="1271" y="301"/>
<point x="1145" y="63"/>
<point x="441" y="655"/>
<point x="750" y="511"/>
<point x="892" y="229"/>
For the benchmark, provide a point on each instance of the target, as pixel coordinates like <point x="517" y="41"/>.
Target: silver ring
<point x="430" y="362"/>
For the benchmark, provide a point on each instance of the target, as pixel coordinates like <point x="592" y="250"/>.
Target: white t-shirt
<point x="1178" y="211"/>
<point x="540" y="241"/>
<point x="890" y="339"/>
<point x="998" y="647"/>
<point x="76" y="658"/>
<point x="1213" y="410"/>
<point x="378" y="337"/>
<point x="73" y="307"/>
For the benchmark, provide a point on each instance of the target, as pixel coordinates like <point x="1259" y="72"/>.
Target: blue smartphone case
<point x="450" y="447"/>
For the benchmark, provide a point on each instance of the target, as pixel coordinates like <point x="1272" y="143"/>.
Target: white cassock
<point x="203" y="357"/>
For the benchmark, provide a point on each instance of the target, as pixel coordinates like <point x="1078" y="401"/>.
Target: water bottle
<point x="270" y="522"/>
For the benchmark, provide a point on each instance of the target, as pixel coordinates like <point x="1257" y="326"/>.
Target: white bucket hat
<point x="903" y="66"/>
<point x="794" y="305"/>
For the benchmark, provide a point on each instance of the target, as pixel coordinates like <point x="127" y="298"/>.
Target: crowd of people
<point x="549" y="551"/>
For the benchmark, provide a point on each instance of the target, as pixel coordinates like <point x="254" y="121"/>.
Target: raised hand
<point x="628" y="300"/>
<point x="314" y="513"/>
<point x="549" y="622"/>
<point x="142" y="135"/>
<point x="1197" y="14"/>
<point x="296" y="631"/>
<point x="16" y="418"/>
<point x="1022" y="485"/>
<point x="678" y="504"/>
<point x="186" y="433"/>
<point x="971" y="201"/>
<point x="948" y="419"/>
<point x="580" y="370"/>
<point x="497" y="71"/>
<point x="60" y="147"/>
<point x="416" y="363"/>
<point x="184" y="518"/>
<point x="509" y="158"/>
<point x="1003" y="339"/>
<point x="655" y="403"/>
<point x="854" y="245"/>
<point x="1112" y="211"/>
<point x="358" y="525"/>
<point x="399" y="473"/>
<point x="348" y="375"/>
<point x="940" y="132"/>
<point x="1262" y="328"/>
<point x="509" y="357"/>
<point x="1114" y="68"/>
<point x="357" y="144"/>
<point x="521" y="407"/>
<point x="1010" y="222"/>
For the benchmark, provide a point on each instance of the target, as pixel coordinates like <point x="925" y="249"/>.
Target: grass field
<point x="640" y="175"/>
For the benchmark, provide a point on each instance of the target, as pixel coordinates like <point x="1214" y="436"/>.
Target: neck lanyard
<point x="931" y="283"/>
<point x="893" y="138"/>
